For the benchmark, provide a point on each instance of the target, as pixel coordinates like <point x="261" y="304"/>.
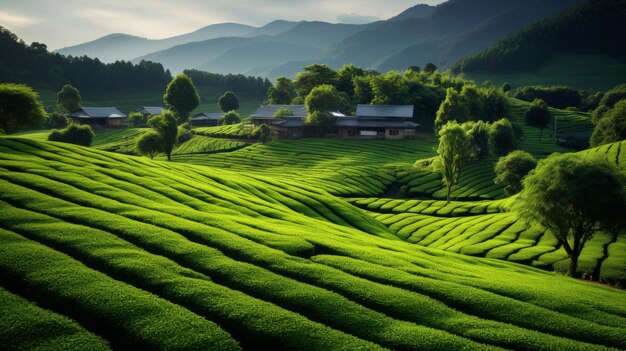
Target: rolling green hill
<point x="109" y="250"/>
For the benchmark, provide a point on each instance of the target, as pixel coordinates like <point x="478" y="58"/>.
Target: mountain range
<point x="440" y="34"/>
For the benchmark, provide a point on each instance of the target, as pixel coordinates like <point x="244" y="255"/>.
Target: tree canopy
<point x="73" y="134"/>
<point x="454" y="152"/>
<point x="228" y="102"/>
<point x="313" y="76"/>
<point x="165" y="125"/>
<point x="502" y="138"/>
<point x="512" y="168"/>
<point x="558" y="195"/>
<point x="19" y="108"/>
<point x="611" y="126"/>
<point x="68" y="99"/>
<point x="230" y="117"/>
<point x="149" y="144"/>
<point x="538" y="115"/>
<point x="453" y="108"/>
<point x="282" y="92"/>
<point x="181" y="97"/>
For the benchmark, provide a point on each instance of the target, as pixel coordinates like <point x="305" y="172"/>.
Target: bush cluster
<point x="73" y="134"/>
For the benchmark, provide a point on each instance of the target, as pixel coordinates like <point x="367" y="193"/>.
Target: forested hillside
<point x="593" y="27"/>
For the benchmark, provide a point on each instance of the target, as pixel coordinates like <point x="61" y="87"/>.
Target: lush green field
<point x="140" y="254"/>
<point x="128" y="102"/>
<point x="586" y="72"/>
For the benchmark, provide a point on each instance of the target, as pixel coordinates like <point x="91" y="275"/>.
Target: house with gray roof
<point x="206" y="119"/>
<point x="151" y="110"/>
<point x="283" y="127"/>
<point x="102" y="117"/>
<point x="379" y="121"/>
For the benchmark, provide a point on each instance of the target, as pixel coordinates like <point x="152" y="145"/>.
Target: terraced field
<point x="101" y="250"/>
<point x="488" y="229"/>
<point x="199" y="144"/>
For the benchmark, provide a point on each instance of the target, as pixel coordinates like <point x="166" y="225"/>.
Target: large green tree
<point x="512" y="168"/>
<point x="181" y="97"/>
<point x="230" y="117"/>
<point x="611" y="126"/>
<point x="19" y="108"/>
<point x="502" y="139"/>
<point x="323" y="100"/>
<point x="313" y="76"/>
<point x="538" y="115"/>
<point x="228" y="102"/>
<point x="454" y="151"/>
<point x="453" y="108"/>
<point x="282" y="92"/>
<point x="574" y="196"/>
<point x="165" y="125"/>
<point x="68" y="99"/>
<point x="149" y="144"/>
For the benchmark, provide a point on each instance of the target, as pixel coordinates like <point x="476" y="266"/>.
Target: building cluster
<point x="369" y="121"/>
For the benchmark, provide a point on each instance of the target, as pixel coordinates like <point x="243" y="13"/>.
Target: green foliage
<point x="73" y="134"/>
<point x="506" y="87"/>
<point x="184" y="133"/>
<point x="262" y="133"/>
<point x="363" y="93"/>
<point x="389" y="89"/>
<point x="228" y="102"/>
<point x="68" y="99"/>
<point x="324" y="98"/>
<point x="19" y="108"/>
<point x="478" y="132"/>
<point x="555" y="96"/>
<point x="57" y="120"/>
<point x="511" y="170"/>
<point x="453" y="108"/>
<point x="538" y="115"/>
<point x="346" y="75"/>
<point x="181" y="97"/>
<point x="430" y="68"/>
<point x="244" y="85"/>
<point x="149" y="144"/>
<point x="611" y="127"/>
<point x="282" y="92"/>
<point x="283" y="112"/>
<point x="314" y="76"/>
<point x="502" y="139"/>
<point x="165" y="126"/>
<point x="137" y="120"/>
<point x="454" y="152"/>
<point x="557" y="194"/>
<point x="230" y="117"/>
<point x="613" y="96"/>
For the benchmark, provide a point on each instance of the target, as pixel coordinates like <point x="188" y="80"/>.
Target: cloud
<point x="16" y="21"/>
<point x="355" y="18"/>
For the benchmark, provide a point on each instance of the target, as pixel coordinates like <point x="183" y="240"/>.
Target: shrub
<point x="57" y="120"/>
<point x="502" y="137"/>
<point x="137" y="119"/>
<point x="19" y="108"/>
<point x="228" y="102"/>
<point x="283" y="112"/>
<point x="538" y="115"/>
<point x="184" y="133"/>
<point x="611" y="127"/>
<point x="230" y="117"/>
<point x="74" y="134"/>
<point x="262" y="133"/>
<point x="512" y="168"/>
<point x="149" y="144"/>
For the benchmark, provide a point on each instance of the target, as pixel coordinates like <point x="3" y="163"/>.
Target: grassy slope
<point x="179" y="256"/>
<point x="586" y="72"/>
<point x="128" y="102"/>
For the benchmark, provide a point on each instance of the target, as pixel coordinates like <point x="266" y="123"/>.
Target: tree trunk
<point x="449" y="187"/>
<point x="169" y="156"/>
<point x="573" y="264"/>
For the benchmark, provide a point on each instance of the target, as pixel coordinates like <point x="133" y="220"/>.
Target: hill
<point x="117" y="47"/>
<point x="96" y="246"/>
<point x="593" y="27"/>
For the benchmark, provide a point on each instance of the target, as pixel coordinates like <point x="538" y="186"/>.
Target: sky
<point x="61" y="23"/>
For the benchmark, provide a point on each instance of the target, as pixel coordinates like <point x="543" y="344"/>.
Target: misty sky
<point x="60" y="23"/>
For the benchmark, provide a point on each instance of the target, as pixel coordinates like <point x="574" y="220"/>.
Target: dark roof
<point x="384" y="111"/>
<point x="289" y="123"/>
<point x="97" y="112"/>
<point x="207" y="116"/>
<point x="151" y="110"/>
<point x="268" y="111"/>
<point x="354" y="122"/>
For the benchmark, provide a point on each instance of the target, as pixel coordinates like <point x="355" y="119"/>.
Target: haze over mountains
<point x="440" y="34"/>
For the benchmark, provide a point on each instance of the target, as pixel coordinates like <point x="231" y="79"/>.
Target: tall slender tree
<point x="454" y="151"/>
<point x="181" y="97"/>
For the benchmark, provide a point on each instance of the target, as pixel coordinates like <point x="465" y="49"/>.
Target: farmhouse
<point x="103" y="117"/>
<point x="379" y="121"/>
<point x="284" y="127"/>
<point x="205" y="119"/>
<point x="151" y="110"/>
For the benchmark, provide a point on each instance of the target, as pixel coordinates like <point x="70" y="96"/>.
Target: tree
<point x="19" y="108"/>
<point x="165" y="125"/>
<point x="149" y="144"/>
<point x="228" y="102"/>
<point x="574" y="196"/>
<point x="68" y="99"/>
<point x="262" y="133"/>
<point x="283" y="112"/>
<point x="478" y="132"/>
<point x="454" y="151"/>
<point x="313" y="76"/>
<point x="502" y="138"/>
<point x="389" y="89"/>
<point x="56" y="120"/>
<point x="430" y="68"/>
<point x="319" y="103"/>
<point x="512" y="168"/>
<point x="137" y="119"/>
<point x="230" y="117"/>
<point x="181" y="97"/>
<point x="538" y="115"/>
<point x="506" y="87"/>
<point x="611" y="127"/>
<point x="346" y="75"/>
<point x="282" y="92"/>
<point x="73" y="134"/>
<point x="453" y="108"/>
